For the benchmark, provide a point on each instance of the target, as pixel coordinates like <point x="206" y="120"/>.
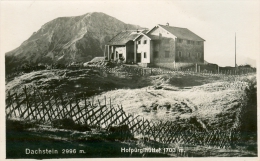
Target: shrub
<point x="249" y="110"/>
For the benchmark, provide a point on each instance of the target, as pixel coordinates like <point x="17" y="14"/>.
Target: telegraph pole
<point x="235" y="52"/>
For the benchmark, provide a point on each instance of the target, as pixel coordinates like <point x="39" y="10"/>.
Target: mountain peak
<point x="68" y="39"/>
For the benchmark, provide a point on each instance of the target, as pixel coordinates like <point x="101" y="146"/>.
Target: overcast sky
<point x="215" y="21"/>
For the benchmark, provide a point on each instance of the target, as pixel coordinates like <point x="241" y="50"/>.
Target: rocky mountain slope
<point x="68" y="39"/>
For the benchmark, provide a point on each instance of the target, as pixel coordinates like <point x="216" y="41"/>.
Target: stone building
<point x="162" y="46"/>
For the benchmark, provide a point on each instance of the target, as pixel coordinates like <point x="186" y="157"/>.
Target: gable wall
<point x="157" y="31"/>
<point x="165" y="44"/>
<point x="144" y="48"/>
<point x="174" y="47"/>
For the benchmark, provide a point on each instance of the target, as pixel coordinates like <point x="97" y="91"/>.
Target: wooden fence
<point x="130" y="71"/>
<point x="47" y="107"/>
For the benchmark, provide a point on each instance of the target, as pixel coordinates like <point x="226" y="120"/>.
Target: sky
<point x="216" y="21"/>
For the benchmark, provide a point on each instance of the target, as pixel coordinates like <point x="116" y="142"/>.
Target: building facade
<point x="162" y="46"/>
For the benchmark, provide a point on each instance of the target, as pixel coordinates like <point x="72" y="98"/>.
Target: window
<point x="189" y="54"/>
<point x="192" y="42"/>
<point x="179" y="40"/>
<point x="155" y="54"/>
<point x="145" y="41"/>
<point x="144" y="54"/>
<point x="179" y="53"/>
<point x="188" y="41"/>
<point x="139" y="42"/>
<point x="167" y="54"/>
<point x="198" y="43"/>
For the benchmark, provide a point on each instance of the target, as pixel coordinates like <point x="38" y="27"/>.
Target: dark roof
<point x="123" y="37"/>
<point x="182" y="33"/>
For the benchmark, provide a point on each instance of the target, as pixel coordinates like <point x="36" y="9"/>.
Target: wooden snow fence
<point x="50" y="106"/>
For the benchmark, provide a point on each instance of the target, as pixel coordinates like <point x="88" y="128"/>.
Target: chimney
<point x="167" y="24"/>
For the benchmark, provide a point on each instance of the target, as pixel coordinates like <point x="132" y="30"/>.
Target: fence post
<point x="27" y="101"/>
<point x="92" y="104"/>
<point x="85" y="101"/>
<point x="70" y="111"/>
<point x="199" y="69"/>
<point x="218" y="69"/>
<point x="17" y="101"/>
<point x="196" y="68"/>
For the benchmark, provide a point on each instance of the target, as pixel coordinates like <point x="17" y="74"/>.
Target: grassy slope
<point x="215" y="101"/>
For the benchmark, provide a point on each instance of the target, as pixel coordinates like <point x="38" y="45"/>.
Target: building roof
<point x="131" y="35"/>
<point x="151" y="37"/>
<point x="182" y="33"/>
<point x="123" y="37"/>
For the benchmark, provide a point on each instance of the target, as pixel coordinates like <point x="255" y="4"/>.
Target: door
<point x="138" y="57"/>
